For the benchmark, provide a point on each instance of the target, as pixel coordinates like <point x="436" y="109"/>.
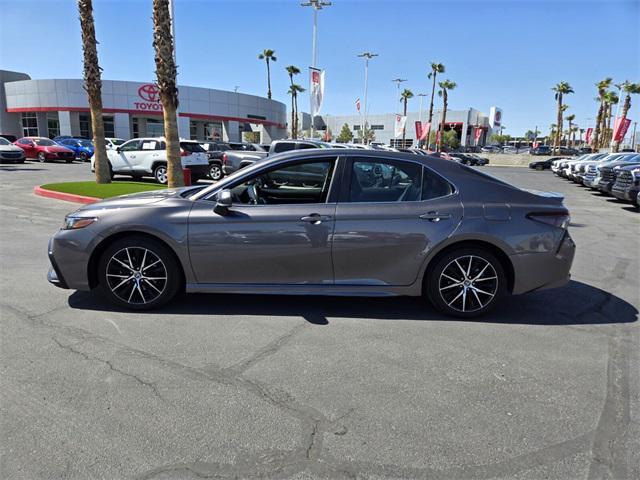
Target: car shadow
<point x="12" y="168"/>
<point x="575" y="304"/>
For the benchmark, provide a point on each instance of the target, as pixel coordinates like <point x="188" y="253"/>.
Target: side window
<point x="301" y="182"/>
<point x="434" y="186"/>
<point x="304" y="146"/>
<point x="284" y="147"/>
<point x="374" y="180"/>
<point x="161" y="145"/>
<point x="130" y="146"/>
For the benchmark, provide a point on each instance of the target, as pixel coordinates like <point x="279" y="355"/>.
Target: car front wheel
<point x="160" y="174"/>
<point x="42" y="157"/>
<point x="139" y="273"/>
<point x="466" y="282"/>
<point x="215" y="172"/>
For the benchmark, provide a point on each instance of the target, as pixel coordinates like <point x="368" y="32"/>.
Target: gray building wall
<point x="9" y="122"/>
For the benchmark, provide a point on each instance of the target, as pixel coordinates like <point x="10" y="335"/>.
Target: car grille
<point x="607" y="174"/>
<point x="624" y="181"/>
<point x="65" y="154"/>
<point x="11" y="154"/>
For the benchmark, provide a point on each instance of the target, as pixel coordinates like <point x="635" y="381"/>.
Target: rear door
<point x="389" y="214"/>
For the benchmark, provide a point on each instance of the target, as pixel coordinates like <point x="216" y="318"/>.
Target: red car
<point x="44" y="149"/>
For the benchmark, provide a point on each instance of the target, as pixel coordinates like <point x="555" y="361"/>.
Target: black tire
<point x="41" y="157"/>
<point x="160" y="173"/>
<point x="539" y="168"/>
<point x="143" y="290"/>
<point x="69" y="161"/>
<point x="215" y="172"/>
<point x="443" y="292"/>
<point x="84" y="157"/>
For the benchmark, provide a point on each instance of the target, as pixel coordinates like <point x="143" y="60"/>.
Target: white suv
<point x="144" y="157"/>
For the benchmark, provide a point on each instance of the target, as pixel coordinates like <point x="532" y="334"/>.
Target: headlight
<point x="74" y="223"/>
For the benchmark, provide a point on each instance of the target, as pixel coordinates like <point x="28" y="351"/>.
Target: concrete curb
<point x="68" y="197"/>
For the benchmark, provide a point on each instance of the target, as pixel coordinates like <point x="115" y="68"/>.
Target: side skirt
<point x="330" y="290"/>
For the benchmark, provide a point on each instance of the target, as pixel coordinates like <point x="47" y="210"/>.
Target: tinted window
<point x="191" y="147"/>
<point x="303" y="182"/>
<point x="130" y="146"/>
<point x="385" y="181"/>
<point x="434" y="186"/>
<point x="304" y="146"/>
<point x="284" y="147"/>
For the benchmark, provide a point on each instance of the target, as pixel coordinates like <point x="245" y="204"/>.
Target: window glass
<point x="303" y="182"/>
<point x="44" y="142"/>
<point x="191" y="147"/>
<point x="284" y="147"/>
<point x="149" y="145"/>
<point x="385" y="181"/>
<point x="85" y="125"/>
<point x="109" y="126"/>
<point x="305" y="146"/>
<point x="29" y="124"/>
<point x="434" y="186"/>
<point x="130" y="146"/>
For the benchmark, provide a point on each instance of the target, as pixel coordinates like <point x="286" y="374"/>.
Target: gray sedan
<point x="323" y="222"/>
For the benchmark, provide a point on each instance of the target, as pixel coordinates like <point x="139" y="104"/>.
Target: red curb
<point x="68" y="197"/>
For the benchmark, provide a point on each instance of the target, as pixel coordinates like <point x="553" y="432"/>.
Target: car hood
<point x="132" y="200"/>
<point x="9" y="148"/>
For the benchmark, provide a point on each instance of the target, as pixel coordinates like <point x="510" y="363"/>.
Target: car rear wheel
<point x="160" y="174"/>
<point x="83" y="156"/>
<point x="539" y="168"/>
<point x="215" y="172"/>
<point x="42" y="157"/>
<point x="466" y="282"/>
<point x="138" y="273"/>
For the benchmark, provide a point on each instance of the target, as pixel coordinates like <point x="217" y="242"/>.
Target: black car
<point x="470" y="159"/>
<point x="541" y="164"/>
<point x="540" y="150"/>
<point x="215" y="150"/>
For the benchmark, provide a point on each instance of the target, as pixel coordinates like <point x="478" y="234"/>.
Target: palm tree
<point x="93" y="86"/>
<point x="166" y="74"/>
<point x="445" y="87"/>
<point x="570" y="119"/>
<point x="602" y="89"/>
<point x="293" y="70"/>
<point x="404" y="97"/>
<point x="436" y="68"/>
<point x="268" y="56"/>
<point x="294" y="89"/>
<point x="561" y="89"/>
<point x="629" y="89"/>
<point x="611" y="98"/>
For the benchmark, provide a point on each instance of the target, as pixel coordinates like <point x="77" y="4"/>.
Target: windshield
<point x="117" y="141"/>
<point x="44" y="142"/>
<point x="4" y="141"/>
<point x="86" y="143"/>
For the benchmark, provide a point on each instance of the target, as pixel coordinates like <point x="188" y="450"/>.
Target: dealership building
<point x="54" y="107"/>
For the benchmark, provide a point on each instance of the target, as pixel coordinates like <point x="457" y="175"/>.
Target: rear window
<point x="304" y="146"/>
<point x="191" y="147"/>
<point x="284" y="147"/>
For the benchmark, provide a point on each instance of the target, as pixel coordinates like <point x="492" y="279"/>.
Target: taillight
<point x="184" y="153"/>
<point x="556" y="219"/>
<point x="224" y="158"/>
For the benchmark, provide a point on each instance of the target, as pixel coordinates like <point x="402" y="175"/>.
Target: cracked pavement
<point x="240" y="386"/>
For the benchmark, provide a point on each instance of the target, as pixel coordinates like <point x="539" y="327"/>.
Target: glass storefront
<point x="155" y="127"/>
<point x="53" y="124"/>
<point x="29" y="124"/>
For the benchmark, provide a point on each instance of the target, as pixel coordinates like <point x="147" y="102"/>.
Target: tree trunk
<point x="569" y="136"/>
<point x="609" y="131"/>
<point x="268" y="80"/>
<point x="293" y="116"/>
<point x="166" y="74"/>
<point x="444" y="118"/>
<point x="433" y="92"/>
<point x="625" y="109"/>
<point x="404" y="130"/>
<point x="558" y="125"/>
<point x="295" y="120"/>
<point x="596" y="132"/>
<point x="93" y="86"/>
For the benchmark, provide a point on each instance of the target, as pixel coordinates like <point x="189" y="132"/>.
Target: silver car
<point x="323" y="222"/>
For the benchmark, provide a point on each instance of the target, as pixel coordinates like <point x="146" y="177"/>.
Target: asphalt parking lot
<point x="296" y="387"/>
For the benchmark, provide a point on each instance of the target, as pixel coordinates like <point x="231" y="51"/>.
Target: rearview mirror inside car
<point x="223" y="202"/>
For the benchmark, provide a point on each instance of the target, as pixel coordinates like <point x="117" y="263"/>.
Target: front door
<point x="122" y="157"/>
<point x="277" y="232"/>
<point x="387" y="219"/>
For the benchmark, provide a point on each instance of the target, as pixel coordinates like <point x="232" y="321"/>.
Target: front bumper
<point x="629" y="195"/>
<point x="54" y="276"/>
<point x="69" y="259"/>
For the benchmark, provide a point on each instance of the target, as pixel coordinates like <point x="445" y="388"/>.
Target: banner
<point x="418" y="129"/>
<point x="399" y="125"/>
<point x="620" y="128"/>
<point x="358" y="105"/>
<point x="587" y="137"/>
<point x="426" y="128"/>
<point x="316" y="89"/>
<point x="477" y="134"/>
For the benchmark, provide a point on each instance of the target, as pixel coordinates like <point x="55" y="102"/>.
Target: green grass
<point x="92" y="189"/>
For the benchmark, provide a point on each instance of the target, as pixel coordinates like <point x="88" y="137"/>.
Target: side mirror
<point x="118" y="149"/>
<point x="223" y="202"/>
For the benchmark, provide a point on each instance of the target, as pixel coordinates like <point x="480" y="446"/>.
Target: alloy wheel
<point x="136" y="275"/>
<point x="468" y="283"/>
<point x="215" y="172"/>
<point x="42" y="157"/>
<point x="161" y="174"/>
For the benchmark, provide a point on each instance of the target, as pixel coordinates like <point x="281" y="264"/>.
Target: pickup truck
<point x="240" y="155"/>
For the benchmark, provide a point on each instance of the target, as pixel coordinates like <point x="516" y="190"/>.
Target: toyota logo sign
<point x="149" y="92"/>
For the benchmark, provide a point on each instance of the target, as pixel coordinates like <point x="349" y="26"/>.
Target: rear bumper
<point x="540" y="271"/>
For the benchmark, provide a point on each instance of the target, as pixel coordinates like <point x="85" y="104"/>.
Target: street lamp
<point x="317" y="5"/>
<point x="398" y="81"/>
<point x="367" y="56"/>
<point x="420" y="109"/>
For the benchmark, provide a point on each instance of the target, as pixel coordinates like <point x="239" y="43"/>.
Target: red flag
<point x="477" y="134"/>
<point x="620" y="128"/>
<point x="425" y="130"/>
<point x="358" y="105"/>
<point x="587" y="137"/>
<point x="418" y="129"/>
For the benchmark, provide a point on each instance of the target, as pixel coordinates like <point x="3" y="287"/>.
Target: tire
<point x="69" y="161"/>
<point x="539" y="168"/>
<point x="138" y="273"/>
<point x="160" y="174"/>
<point x="475" y="297"/>
<point x="42" y="157"/>
<point x="215" y="172"/>
<point x="84" y="157"/>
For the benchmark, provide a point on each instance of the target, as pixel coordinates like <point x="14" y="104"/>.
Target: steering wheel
<point x="254" y="194"/>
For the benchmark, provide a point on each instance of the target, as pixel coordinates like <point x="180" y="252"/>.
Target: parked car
<point x="540" y="164"/>
<point x="215" y="150"/>
<point x="541" y="150"/>
<point x="241" y="155"/>
<point x="471" y="159"/>
<point x="609" y="170"/>
<point x="44" y="149"/>
<point x="147" y="157"/>
<point x="576" y="169"/>
<point x="83" y="149"/>
<point x="113" y="143"/>
<point x="325" y="222"/>
<point x="9" y="153"/>
<point x="279" y="146"/>
<point x="491" y="149"/>
<point x="8" y="137"/>
<point x="627" y="184"/>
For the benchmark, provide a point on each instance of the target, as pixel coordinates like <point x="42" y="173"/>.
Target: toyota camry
<point x="323" y="222"/>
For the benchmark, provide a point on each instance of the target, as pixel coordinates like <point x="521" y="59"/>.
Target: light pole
<point x="316" y="5"/>
<point x="398" y="81"/>
<point x="367" y="56"/>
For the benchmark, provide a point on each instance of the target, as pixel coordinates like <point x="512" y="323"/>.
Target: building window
<point x="85" y="125"/>
<point x="213" y="131"/>
<point x="109" y="126"/>
<point x="29" y="124"/>
<point x="135" y="126"/>
<point x="377" y="127"/>
<point x="53" y="124"/>
<point x="356" y="127"/>
<point x="193" y="130"/>
<point x="155" y="127"/>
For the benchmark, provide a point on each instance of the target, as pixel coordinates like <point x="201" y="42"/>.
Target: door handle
<point x="435" y="216"/>
<point x="315" y="218"/>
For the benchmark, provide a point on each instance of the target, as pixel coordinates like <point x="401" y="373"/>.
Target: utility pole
<point x="316" y="5"/>
<point x="398" y="81"/>
<point x="633" y="138"/>
<point x="367" y="56"/>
